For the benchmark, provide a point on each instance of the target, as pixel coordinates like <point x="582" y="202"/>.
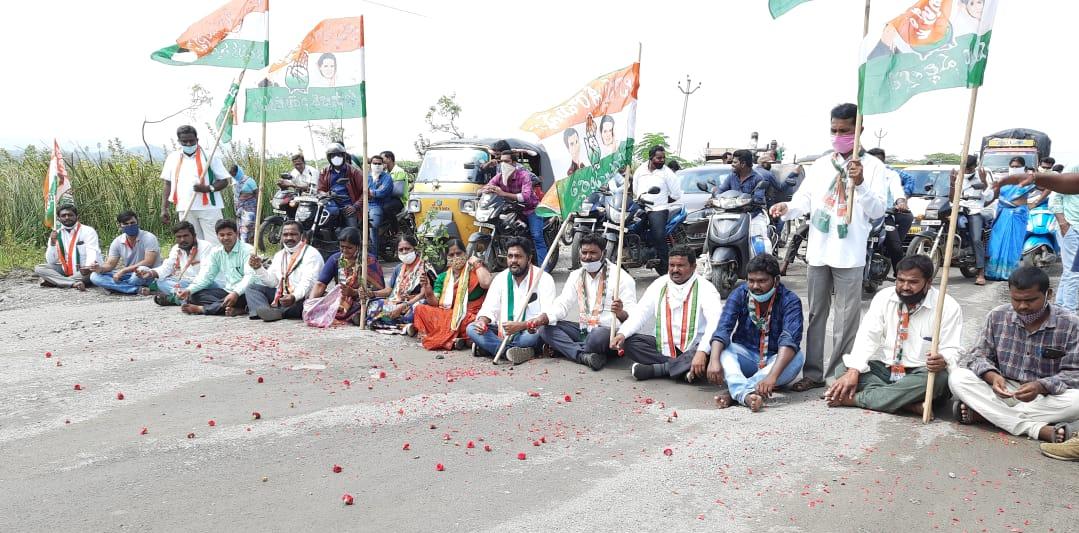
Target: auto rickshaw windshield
<point x="452" y="165"/>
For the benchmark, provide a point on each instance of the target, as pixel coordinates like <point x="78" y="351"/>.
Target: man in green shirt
<point x="225" y="266"/>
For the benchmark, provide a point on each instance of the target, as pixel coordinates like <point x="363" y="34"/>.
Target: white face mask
<point x="1016" y="171"/>
<point x="592" y="267"/>
<point x="408" y="258"/>
<point x="337" y="161"/>
<point x="290" y="249"/>
<point x="507" y="169"/>
<point x="376" y="169"/>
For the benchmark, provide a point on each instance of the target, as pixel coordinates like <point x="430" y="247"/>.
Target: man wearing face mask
<point x="133" y="250"/>
<point x="278" y="291"/>
<point x="758" y="344"/>
<point x="889" y="366"/>
<point x="975" y="195"/>
<point x="73" y="248"/>
<point x="189" y="173"/>
<point x="655" y="173"/>
<point x="1024" y="375"/>
<point x="379" y="191"/>
<point x="515" y="183"/>
<point x="836" y="249"/>
<point x="345" y="181"/>
<point x="578" y="324"/>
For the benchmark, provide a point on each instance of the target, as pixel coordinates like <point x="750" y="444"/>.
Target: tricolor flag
<point x="779" y="7"/>
<point x="56" y="186"/>
<point x="935" y="44"/>
<point x="322" y="78"/>
<point x="236" y="35"/>
<point x="227" y="114"/>
<point x="590" y="135"/>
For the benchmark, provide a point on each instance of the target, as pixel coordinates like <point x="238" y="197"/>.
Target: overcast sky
<point x="82" y="72"/>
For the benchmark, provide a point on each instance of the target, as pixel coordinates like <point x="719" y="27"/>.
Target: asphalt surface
<point x="594" y="442"/>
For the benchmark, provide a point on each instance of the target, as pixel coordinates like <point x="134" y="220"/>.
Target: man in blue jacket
<point x="757" y="346"/>
<point x="379" y="191"/>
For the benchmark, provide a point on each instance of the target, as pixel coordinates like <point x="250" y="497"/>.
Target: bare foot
<point x="754" y="402"/>
<point x="235" y="311"/>
<point x="191" y="309"/>
<point x="917" y="408"/>
<point x="79" y="286"/>
<point x="144" y="291"/>
<point x="840" y="402"/>
<point x="724" y="400"/>
<point x="1050" y="434"/>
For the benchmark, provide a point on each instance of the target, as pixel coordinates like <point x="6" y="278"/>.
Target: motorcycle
<point x="929" y="239"/>
<point x="1041" y="248"/>
<point x="390" y="231"/>
<point x="729" y="245"/>
<point x="636" y="249"/>
<point x="589" y="219"/>
<point x="797" y="232"/>
<point x="877" y="263"/>
<point x="318" y="221"/>
<point x="497" y="221"/>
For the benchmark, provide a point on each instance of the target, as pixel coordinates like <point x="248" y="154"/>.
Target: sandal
<point x="1071" y="429"/>
<point x="806" y="384"/>
<point x="958" y="409"/>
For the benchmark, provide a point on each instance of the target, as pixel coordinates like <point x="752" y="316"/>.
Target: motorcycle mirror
<point x="653" y="190"/>
<point x="470" y="166"/>
<point x="702" y="186"/>
<point x="928" y="187"/>
<point x="533" y="298"/>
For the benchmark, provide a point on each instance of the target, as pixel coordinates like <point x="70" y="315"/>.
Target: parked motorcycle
<point x="589" y="219"/>
<point x="1041" y="248"/>
<point x="319" y="222"/>
<point x="730" y="245"/>
<point x="929" y="238"/>
<point x="877" y="263"/>
<point x="797" y="233"/>
<point x="637" y="251"/>
<point x="497" y="221"/>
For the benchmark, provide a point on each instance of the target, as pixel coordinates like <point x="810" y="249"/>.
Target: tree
<point x="199" y="97"/>
<point x="441" y="118"/>
<point x="649" y="140"/>
<point x="941" y="158"/>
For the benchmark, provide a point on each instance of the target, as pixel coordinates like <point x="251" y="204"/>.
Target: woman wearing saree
<point x="392" y="308"/>
<point x="342" y="268"/>
<point x="454" y="300"/>
<point x="1010" y="228"/>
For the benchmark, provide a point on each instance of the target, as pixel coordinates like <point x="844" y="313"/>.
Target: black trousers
<point x="893" y="240"/>
<point x="212" y="300"/>
<point x="259" y="296"/>
<point x="657" y="222"/>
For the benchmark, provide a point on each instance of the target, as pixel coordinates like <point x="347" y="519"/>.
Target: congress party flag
<point x="322" y="78"/>
<point x="779" y="7"/>
<point x="935" y="44"/>
<point x="57" y="185"/>
<point x="236" y="35"/>
<point x="227" y="114"/>
<point x="590" y="135"/>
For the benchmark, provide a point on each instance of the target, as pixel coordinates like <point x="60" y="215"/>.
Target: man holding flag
<point x="72" y="249"/>
<point x="193" y="183"/>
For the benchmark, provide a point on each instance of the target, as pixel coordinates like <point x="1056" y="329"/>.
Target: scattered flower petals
<point x="535" y="443"/>
<point x="144" y="431"/>
<point x="533" y="394"/>
<point x="406" y="447"/>
<point x="486" y="447"/>
<point x="191" y="435"/>
<point x="347" y="498"/>
<point x="543" y="439"/>
<point x="382" y="375"/>
<point x="256" y="415"/>
<point x="260" y="379"/>
<point x="78" y="387"/>
<point x="199" y="345"/>
<point x="48" y="355"/>
<point x="521" y="456"/>
<point x="336" y="469"/>
<point x="119" y="396"/>
<point x="346" y="383"/>
<point x="675" y="414"/>
<point x="668" y="452"/>
<point x="439" y="467"/>
<point x="470" y="445"/>
<point x="211" y="423"/>
<point x="568" y="398"/>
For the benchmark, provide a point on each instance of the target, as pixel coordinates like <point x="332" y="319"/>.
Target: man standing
<point x="301" y="177"/>
<point x="758" y="344"/>
<point x="685" y="308"/>
<point x="655" y="173"/>
<point x="590" y="297"/>
<point x="134" y="249"/>
<point x="245" y="197"/>
<point x="193" y="184"/>
<point x="219" y="288"/>
<point x="745" y="179"/>
<point x="73" y="249"/>
<point x="835" y="248"/>
<point x="279" y="291"/>
<point x="401" y="187"/>
<point x="345" y="181"/>
<point x="976" y="193"/>
<point x="889" y="366"/>
<point x="505" y="302"/>
<point x="515" y="183"/>
<point x="1024" y="376"/>
<point x="1066" y="209"/>
<point x="895" y="197"/>
<point x="181" y="267"/>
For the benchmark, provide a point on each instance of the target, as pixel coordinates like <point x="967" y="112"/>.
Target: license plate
<point x="485" y="225"/>
<point x="931" y="222"/>
<point x="608" y="225"/>
<point x="695" y="236"/>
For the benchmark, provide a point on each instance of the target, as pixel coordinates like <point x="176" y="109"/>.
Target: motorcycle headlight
<point x="413" y="206"/>
<point x="292" y="203"/>
<point x="303" y="213"/>
<point x="586" y="208"/>
<point x="468" y="207"/>
<point x="932" y="214"/>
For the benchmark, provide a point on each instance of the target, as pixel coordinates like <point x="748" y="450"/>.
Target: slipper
<point x="1071" y="429"/>
<point x="162" y="299"/>
<point x="806" y="384"/>
<point x="270" y="314"/>
<point x="957" y="412"/>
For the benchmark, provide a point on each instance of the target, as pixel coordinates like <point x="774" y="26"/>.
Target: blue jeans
<point x="490" y="341"/>
<point x="742" y="374"/>
<point x="376" y="220"/>
<point x="129" y="284"/>
<point x="1068" y="290"/>
<point x="535" y="227"/>
<point x="169" y="285"/>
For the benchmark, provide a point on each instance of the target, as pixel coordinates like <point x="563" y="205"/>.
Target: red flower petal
<point x="212" y="423"/>
<point x="470" y="445"/>
<point x="256" y="415"/>
<point x="336" y="469"/>
<point x="439" y="467"/>
<point x="119" y="396"/>
<point x="144" y="431"/>
<point x="543" y="439"/>
<point x="48" y="355"/>
<point x="533" y="394"/>
<point x="521" y="456"/>
<point x="382" y="375"/>
<point x="260" y="379"/>
<point x="445" y="436"/>
<point x="199" y="345"/>
<point x="347" y="383"/>
<point x="675" y="414"/>
<point x="78" y="387"/>
<point x="347" y="498"/>
<point x="535" y="443"/>
<point x="407" y="446"/>
<point x="568" y="398"/>
<point x="191" y="435"/>
<point x="486" y="447"/>
<point x="668" y="452"/>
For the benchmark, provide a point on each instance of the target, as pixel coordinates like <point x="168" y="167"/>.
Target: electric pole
<point x="880" y="134"/>
<point x="685" y="105"/>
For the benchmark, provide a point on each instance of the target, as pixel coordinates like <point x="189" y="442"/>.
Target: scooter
<point x="637" y="251"/>
<point x="729" y="245"/>
<point x="1041" y="248"/>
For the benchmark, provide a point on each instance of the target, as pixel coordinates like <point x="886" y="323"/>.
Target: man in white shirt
<point x="510" y="309"/>
<point x="279" y="291"/>
<point x="578" y="325"/>
<point x="73" y="248"/>
<point x="655" y="173"/>
<point x="835" y="249"/>
<point x="301" y="177"/>
<point x="889" y="367"/>
<point x="193" y="185"/>
<point x="685" y="309"/>
<point x="181" y="267"/>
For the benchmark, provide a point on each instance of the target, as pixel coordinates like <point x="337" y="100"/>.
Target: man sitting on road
<point x="134" y="249"/>
<point x="182" y="265"/>
<point x="219" y="287"/>
<point x="888" y="368"/>
<point x="1024" y="377"/>
<point x="758" y="344"/>
<point x="514" y="183"/>
<point x="505" y="301"/>
<point x="279" y="291"/>
<point x="685" y="308"/>
<point x="588" y="296"/>
<point x="72" y="249"/>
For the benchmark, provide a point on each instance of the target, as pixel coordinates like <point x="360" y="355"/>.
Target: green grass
<point x="19" y="256"/>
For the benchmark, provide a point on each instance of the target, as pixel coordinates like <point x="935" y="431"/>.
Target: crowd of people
<point x="1022" y="375"/>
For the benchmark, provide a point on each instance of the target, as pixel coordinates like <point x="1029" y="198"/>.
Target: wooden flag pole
<point x="262" y="174"/>
<point x="857" y="126"/>
<point x="622" y="219"/>
<point x="364" y="188"/>
<point x="213" y="151"/>
<point x="957" y="196"/>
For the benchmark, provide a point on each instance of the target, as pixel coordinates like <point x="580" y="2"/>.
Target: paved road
<point x="75" y="460"/>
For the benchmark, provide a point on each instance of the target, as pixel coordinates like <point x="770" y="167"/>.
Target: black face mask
<point x="913" y="299"/>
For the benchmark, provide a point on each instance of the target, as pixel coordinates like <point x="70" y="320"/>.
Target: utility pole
<point x="685" y="105"/>
<point x="311" y="134"/>
<point x="880" y="134"/>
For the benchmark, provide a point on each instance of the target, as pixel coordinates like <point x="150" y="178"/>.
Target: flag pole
<point x="622" y="219"/>
<point x="857" y="126"/>
<point x="957" y="196"/>
<point x="213" y="152"/>
<point x="365" y="168"/>
<point x="262" y="174"/>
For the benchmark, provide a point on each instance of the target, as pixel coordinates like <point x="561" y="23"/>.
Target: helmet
<point x="336" y="148"/>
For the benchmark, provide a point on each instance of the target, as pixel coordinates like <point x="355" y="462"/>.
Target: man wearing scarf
<point x="1024" y="375"/>
<point x="346" y="181"/>
<point x="685" y="309"/>
<point x="72" y="249"/>
<point x="188" y="173"/>
<point x="588" y="296"/>
<point x="889" y="366"/>
<point x="278" y="291"/>
<point x="133" y="250"/>
<point x="181" y="267"/>
<point x="758" y="344"/>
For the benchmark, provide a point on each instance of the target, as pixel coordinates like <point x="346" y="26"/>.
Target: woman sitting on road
<point x="391" y="310"/>
<point x="1010" y="229"/>
<point x="459" y="293"/>
<point x="342" y="268"/>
